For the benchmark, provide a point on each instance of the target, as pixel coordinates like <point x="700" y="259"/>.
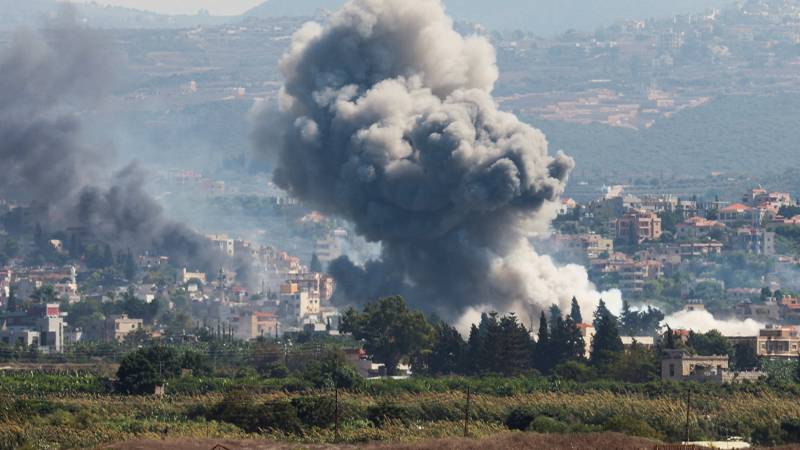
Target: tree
<point x="514" y="346"/>
<point x="636" y="365"/>
<point x="575" y="345"/>
<point x="142" y="370"/>
<point x="447" y="353"/>
<point x="745" y="356"/>
<point x="575" y="311"/>
<point x="389" y="329"/>
<point x="45" y="294"/>
<point x="711" y="343"/>
<point x="542" y="356"/>
<point x="129" y="268"/>
<point x="12" y="304"/>
<point x="606" y="343"/>
<point x="669" y="339"/>
<point x="315" y="265"/>
<point x="555" y="312"/>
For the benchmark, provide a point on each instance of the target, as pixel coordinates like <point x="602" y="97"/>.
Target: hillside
<point x="740" y="134"/>
<point x="543" y="17"/>
<point x="16" y="13"/>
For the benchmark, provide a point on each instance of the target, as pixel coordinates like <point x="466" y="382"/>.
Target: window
<point x="672" y="370"/>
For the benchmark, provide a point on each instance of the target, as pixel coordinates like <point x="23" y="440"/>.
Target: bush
<point x="383" y="411"/>
<point x="315" y="411"/>
<point x="519" y="419"/>
<point x="574" y="371"/>
<point x="632" y="426"/>
<point x="544" y="424"/>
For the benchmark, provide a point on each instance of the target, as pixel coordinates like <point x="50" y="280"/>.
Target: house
<point x="699" y="249"/>
<point x="637" y="226"/>
<point x="41" y="326"/>
<point x="119" y="327"/>
<point x="187" y="276"/>
<point x="633" y="275"/>
<point x="680" y="365"/>
<point x="769" y="311"/>
<point x="753" y="240"/>
<point x="252" y="325"/>
<point x="646" y="342"/>
<point x="697" y="228"/>
<point x="736" y="213"/>
<point x="778" y="342"/>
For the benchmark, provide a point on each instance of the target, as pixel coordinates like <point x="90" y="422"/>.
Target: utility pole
<point x="466" y="415"/>
<point x="688" y="409"/>
<point x="336" y="402"/>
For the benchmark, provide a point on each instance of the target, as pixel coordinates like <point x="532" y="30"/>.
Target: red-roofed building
<point x="736" y="212"/>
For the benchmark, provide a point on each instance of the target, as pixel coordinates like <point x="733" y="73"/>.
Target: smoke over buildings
<point x="46" y="82"/>
<point x="387" y="120"/>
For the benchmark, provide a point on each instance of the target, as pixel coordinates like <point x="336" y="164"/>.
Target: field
<point x="75" y="412"/>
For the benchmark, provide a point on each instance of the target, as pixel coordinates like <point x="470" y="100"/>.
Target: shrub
<point x="574" y="371"/>
<point x="544" y="424"/>
<point x="632" y="426"/>
<point x="519" y="418"/>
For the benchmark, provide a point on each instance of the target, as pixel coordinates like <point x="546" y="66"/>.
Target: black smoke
<point x="47" y="79"/>
<point x="387" y="120"/>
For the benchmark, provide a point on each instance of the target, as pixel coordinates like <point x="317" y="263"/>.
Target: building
<point x="736" y="213"/>
<point x="252" y="325"/>
<point x="757" y="241"/>
<point x="590" y="245"/>
<point x="331" y="246"/>
<point x="187" y="276"/>
<point x="680" y="365"/>
<point x="697" y="228"/>
<point x="769" y="311"/>
<point x="223" y="243"/>
<point x="299" y="306"/>
<point x="778" y="342"/>
<point x="119" y="327"/>
<point x="41" y="326"/>
<point x="637" y="226"/>
<point x="699" y="249"/>
<point x="634" y="275"/>
<point x="646" y="342"/>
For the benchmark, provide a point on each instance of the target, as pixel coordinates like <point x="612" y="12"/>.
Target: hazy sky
<point x="218" y="7"/>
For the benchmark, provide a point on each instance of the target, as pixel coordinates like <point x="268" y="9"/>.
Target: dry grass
<point x="511" y="440"/>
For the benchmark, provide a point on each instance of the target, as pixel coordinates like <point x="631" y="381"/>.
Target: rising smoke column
<point x="45" y="82"/>
<point x="387" y="120"/>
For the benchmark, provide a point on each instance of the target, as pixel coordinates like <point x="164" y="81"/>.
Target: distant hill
<point x="543" y="17"/>
<point x="735" y="134"/>
<point x="33" y="13"/>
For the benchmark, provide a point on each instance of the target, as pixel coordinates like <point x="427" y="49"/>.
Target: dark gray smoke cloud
<point x="45" y="81"/>
<point x="387" y="120"/>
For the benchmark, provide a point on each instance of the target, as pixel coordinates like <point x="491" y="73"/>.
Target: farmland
<point x="78" y="411"/>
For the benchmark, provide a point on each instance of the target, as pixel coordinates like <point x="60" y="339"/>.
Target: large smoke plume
<point x="387" y="119"/>
<point x="47" y="80"/>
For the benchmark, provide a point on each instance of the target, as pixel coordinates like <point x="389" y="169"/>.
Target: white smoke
<point x="703" y="322"/>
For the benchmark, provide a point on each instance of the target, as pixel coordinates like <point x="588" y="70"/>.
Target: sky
<point x="216" y="7"/>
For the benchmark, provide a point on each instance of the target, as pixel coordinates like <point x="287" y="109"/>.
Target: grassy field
<point x="75" y="412"/>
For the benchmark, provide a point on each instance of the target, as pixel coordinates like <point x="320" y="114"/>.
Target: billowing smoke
<point x="703" y="322"/>
<point x="46" y="82"/>
<point x="387" y="120"/>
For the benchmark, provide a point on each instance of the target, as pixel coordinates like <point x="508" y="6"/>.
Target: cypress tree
<point x="606" y="344"/>
<point x="575" y="345"/>
<point x="575" y="311"/>
<point x="555" y="313"/>
<point x="542" y="356"/>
